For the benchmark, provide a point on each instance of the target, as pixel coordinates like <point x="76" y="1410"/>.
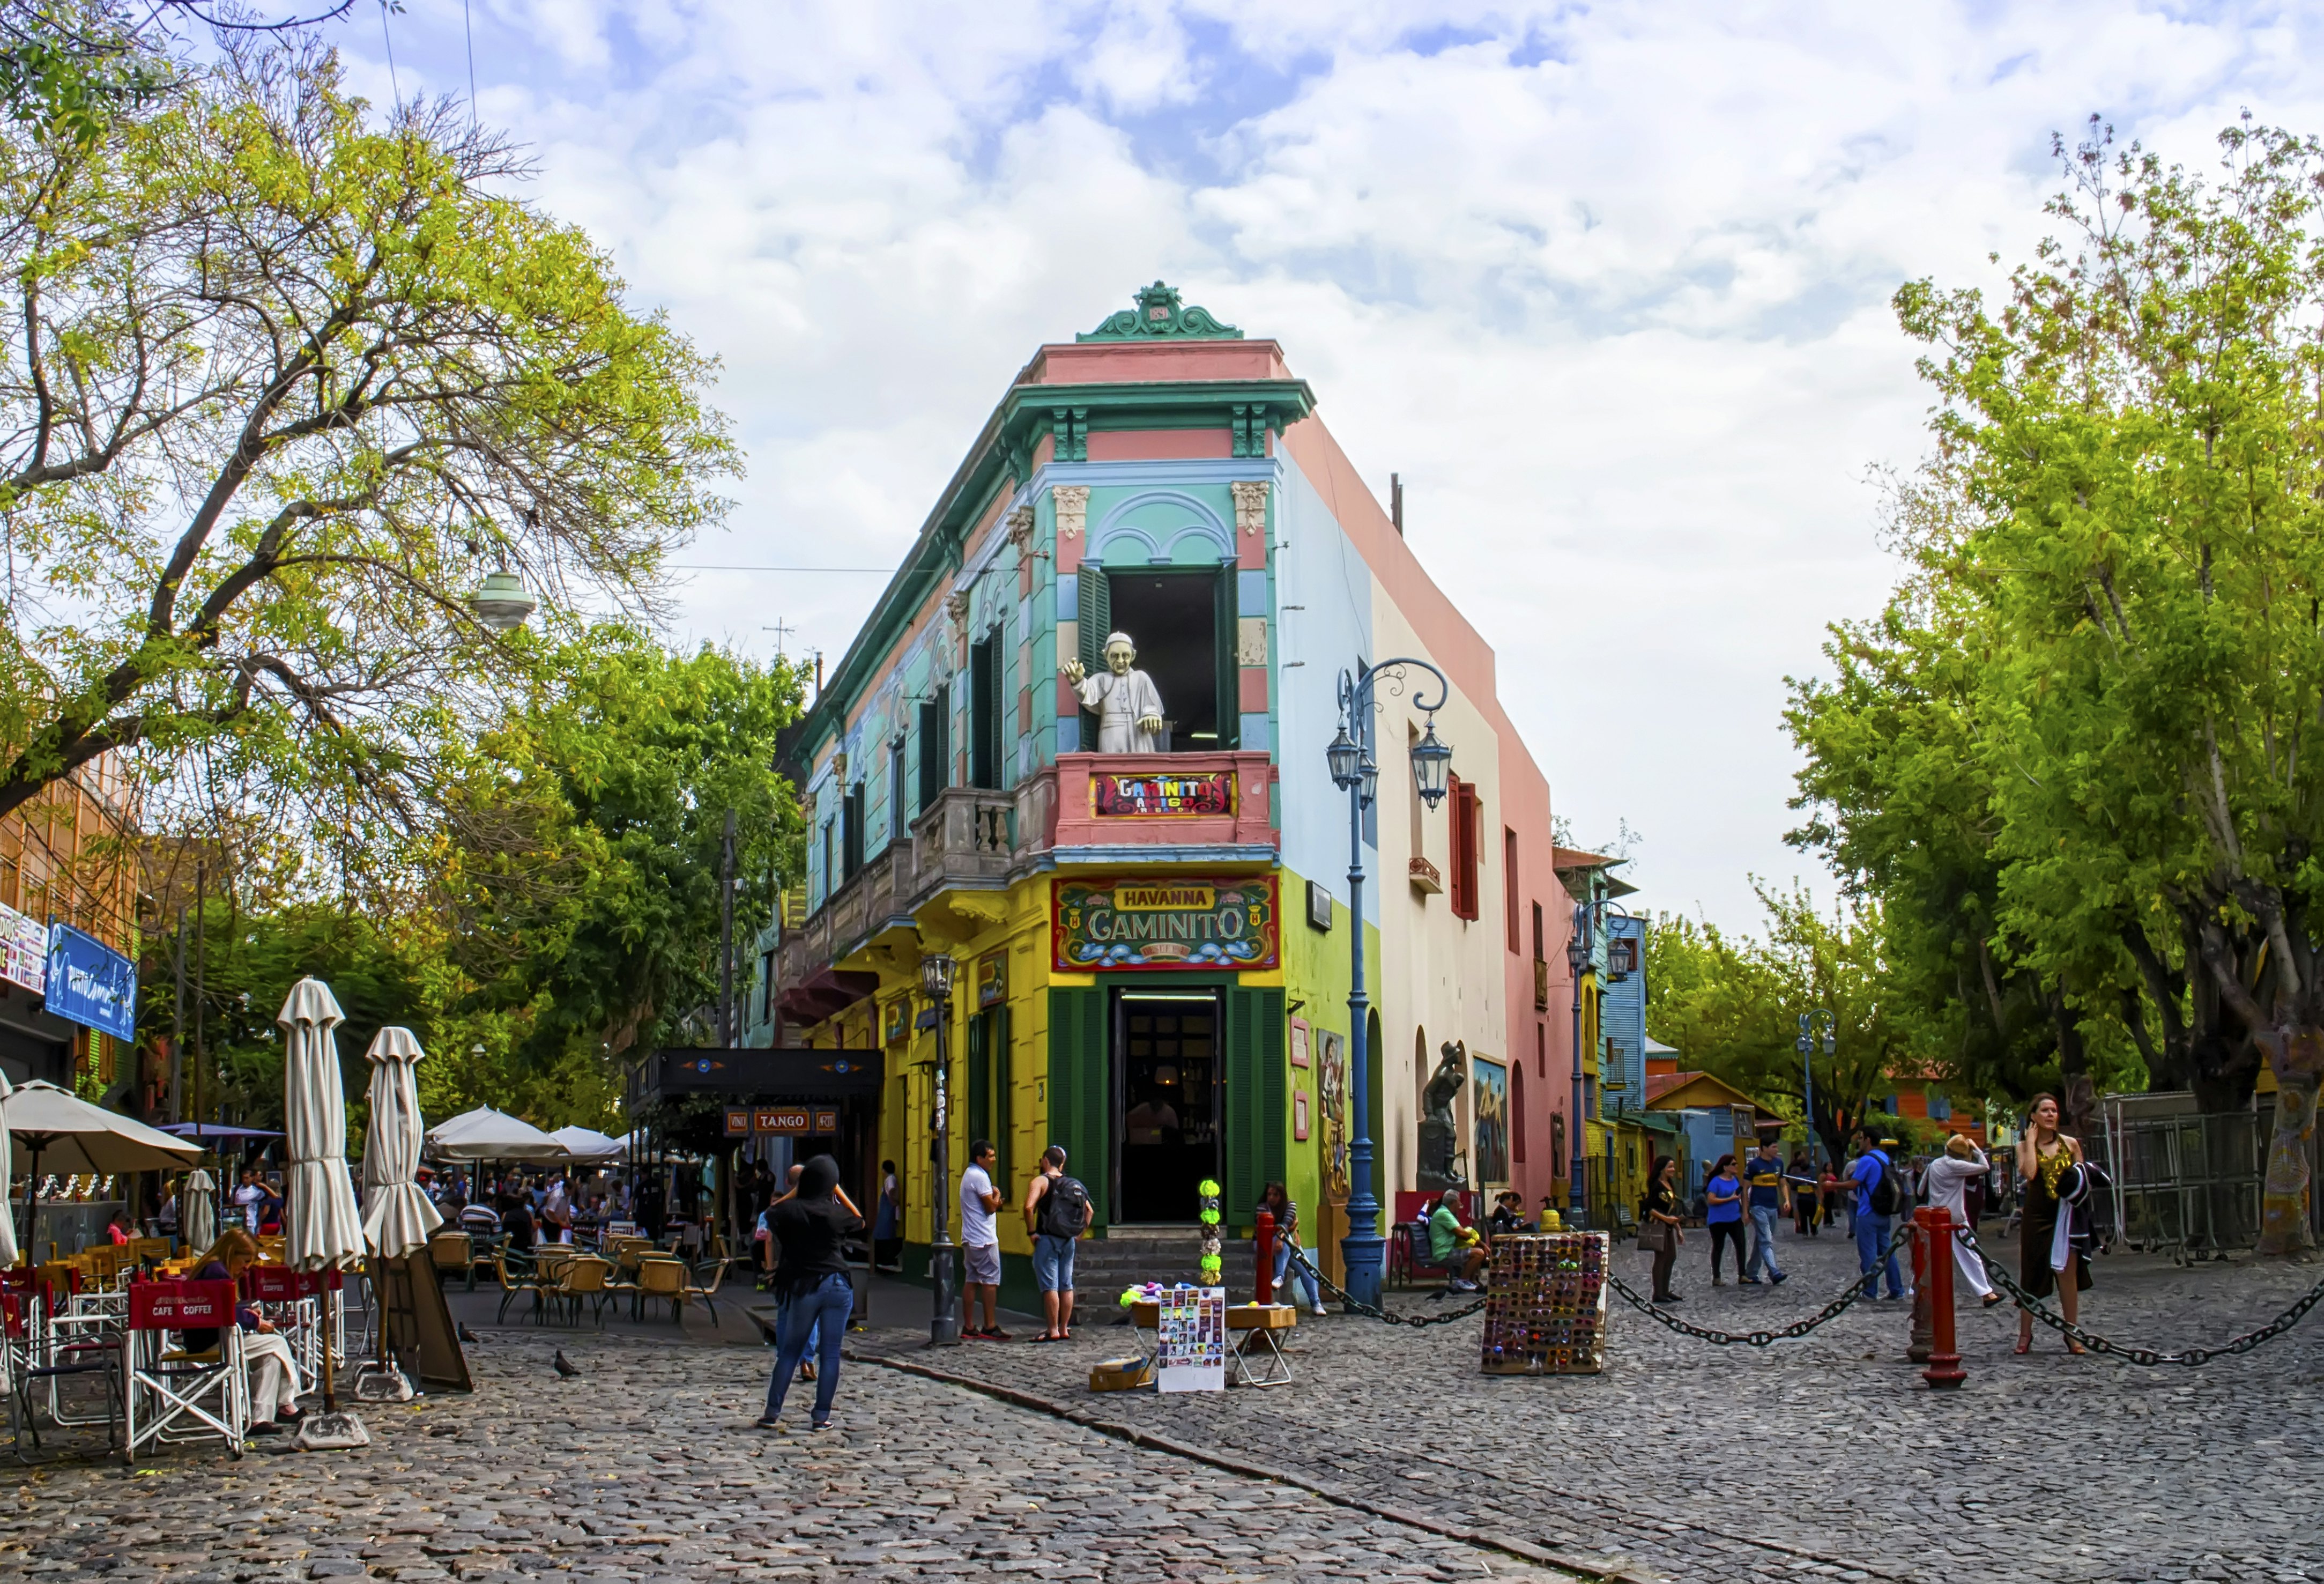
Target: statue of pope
<point x="1129" y="709"/>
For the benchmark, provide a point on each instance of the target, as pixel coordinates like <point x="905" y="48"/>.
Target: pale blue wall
<point x="1318" y="569"/>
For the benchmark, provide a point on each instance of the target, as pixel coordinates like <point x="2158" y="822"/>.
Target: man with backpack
<point x="1879" y="1198"/>
<point x="1056" y="1213"/>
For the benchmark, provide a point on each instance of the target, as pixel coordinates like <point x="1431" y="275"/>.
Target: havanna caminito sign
<point x="1167" y="923"/>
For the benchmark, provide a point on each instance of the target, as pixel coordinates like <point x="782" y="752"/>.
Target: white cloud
<point x="1607" y="285"/>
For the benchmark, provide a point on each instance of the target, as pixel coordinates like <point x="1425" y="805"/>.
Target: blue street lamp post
<point x="1807" y="1044"/>
<point x="1357" y="774"/>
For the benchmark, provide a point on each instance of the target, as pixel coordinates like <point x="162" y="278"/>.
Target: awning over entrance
<point x="824" y="992"/>
<point x="770" y="1074"/>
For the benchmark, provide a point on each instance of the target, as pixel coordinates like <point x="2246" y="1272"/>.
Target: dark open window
<point x="1509" y="882"/>
<point x="983" y="718"/>
<point x="851" y="836"/>
<point x="899" y="816"/>
<point x="935" y="753"/>
<point x="1183" y="621"/>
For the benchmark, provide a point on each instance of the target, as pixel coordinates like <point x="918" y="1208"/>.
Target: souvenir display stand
<point x="1546" y="1312"/>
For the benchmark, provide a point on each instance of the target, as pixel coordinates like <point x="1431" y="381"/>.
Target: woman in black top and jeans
<point x="810" y="1228"/>
<point x="1661" y="1206"/>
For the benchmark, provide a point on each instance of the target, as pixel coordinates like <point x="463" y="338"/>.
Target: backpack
<point x="1883" y="1197"/>
<point x="1065" y="1207"/>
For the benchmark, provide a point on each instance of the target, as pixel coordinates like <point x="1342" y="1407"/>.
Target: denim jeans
<point x="818" y="1315"/>
<point x="1763" y="1242"/>
<point x="1871" y="1238"/>
<point x="1053" y="1262"/>
<point x="1283" y="1265"/>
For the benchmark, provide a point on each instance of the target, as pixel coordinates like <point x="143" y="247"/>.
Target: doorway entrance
<point x="1166" y="1103"/>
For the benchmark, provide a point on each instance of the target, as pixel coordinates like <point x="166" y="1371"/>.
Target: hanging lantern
<point x="501" y="603"/>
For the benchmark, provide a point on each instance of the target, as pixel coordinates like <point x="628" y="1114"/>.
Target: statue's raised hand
<point x="1073" y="671"/>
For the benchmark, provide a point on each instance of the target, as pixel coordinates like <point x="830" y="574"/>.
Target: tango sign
<point x="1207" y="924"/>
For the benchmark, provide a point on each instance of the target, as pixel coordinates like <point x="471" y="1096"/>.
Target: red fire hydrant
<point x="1934" y="1255"/>
<point x="1264" y="1241"/>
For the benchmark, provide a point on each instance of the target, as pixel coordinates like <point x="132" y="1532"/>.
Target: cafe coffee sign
<point x="1173" y="924"/>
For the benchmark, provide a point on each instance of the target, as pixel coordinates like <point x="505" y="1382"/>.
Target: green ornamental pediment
<point x="1159" y="312"/>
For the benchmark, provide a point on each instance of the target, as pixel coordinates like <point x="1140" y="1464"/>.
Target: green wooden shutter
<point x="1096" y="613"/>
<point x="980" y="1081"/>
<point x="1080" y="1084"/>
<point x="1003" y="1063"/>
<point x="1230" y="669"/>
<point x="1255" y="1084"/>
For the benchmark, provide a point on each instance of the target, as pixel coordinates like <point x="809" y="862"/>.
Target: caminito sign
<point x="1162" y="796"/>
<point x="1174" y="923"/>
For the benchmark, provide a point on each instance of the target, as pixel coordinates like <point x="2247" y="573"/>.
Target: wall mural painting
<point x="1490" y="1107"/>
<point x="1331" y="1079"/>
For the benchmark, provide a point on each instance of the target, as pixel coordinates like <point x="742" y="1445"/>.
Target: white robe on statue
<point x="1119" y="702"/>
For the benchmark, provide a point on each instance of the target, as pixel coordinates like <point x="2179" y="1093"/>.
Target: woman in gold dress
<point x="2043" y="1157"/>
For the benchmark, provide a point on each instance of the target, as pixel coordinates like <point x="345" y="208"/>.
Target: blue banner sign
<point x="91" y="984"/>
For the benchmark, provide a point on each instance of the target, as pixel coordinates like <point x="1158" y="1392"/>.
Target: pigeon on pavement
<point x="564" y="1367"/>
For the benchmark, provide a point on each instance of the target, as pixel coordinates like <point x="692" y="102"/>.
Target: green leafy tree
<point x="580" y="910"/>
<point x="279" y="382"/>
<point x="1732" y="1005"/>
<point x="1900" y="804"/>
<point x="2133" y="441"/>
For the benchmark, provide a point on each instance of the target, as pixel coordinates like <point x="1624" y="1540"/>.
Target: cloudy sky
<point x="1606" y="284"/>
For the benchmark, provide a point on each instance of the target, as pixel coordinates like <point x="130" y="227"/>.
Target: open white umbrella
<point x="398" y="1216"/>
<point x="586" y="1144"/>
<point x="198" y="1210"/>
<point x="61" y="1132"/>
<point x="486" y="1134"/>
<point x="325" y="1227"/>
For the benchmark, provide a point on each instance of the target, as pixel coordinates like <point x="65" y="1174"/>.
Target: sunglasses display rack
<point x="1546" y="1311"/>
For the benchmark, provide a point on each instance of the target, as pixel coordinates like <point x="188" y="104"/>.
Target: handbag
<point x="1654" y="1237"/>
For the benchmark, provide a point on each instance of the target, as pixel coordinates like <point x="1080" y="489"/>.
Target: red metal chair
<point x="174" y="1395"/>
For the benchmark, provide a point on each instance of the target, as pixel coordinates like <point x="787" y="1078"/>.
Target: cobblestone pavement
<point x="646" y="1468"/>
<point x="1827" y="1456"/>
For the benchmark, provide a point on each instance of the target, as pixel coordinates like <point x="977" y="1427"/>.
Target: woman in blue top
<point x="1723" y="1196"/>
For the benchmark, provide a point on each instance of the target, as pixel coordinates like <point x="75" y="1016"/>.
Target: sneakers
<point x="1780" y="1277"/>
<point x="1747" y="1281"/>
<point x="1321" y="1311"/>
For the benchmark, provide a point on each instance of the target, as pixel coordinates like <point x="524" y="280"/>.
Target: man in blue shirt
<point x="1765" y="1174"/>
<point x="1867" y="1171"/>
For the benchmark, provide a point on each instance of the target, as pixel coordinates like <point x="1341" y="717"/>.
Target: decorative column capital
<point x="1251" y="505"/>
<point x="1071" y="503"/>
<point x="956" y="607"/>
<point x="1020" y="526"/>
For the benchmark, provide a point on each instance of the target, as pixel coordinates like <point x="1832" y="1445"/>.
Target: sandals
<point x="2024" y="1345"/>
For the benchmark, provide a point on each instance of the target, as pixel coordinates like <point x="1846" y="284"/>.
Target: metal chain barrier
<point x="2143" y="1355"/>
<point x="1855" y="1290"/>
<point x="1356" y="1306"/>
<point x="1797" y="1329"/>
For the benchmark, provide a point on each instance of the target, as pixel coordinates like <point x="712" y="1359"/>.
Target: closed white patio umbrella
<point x="325" y="1227"/>
<point x="486" y="1134"/>
<point x="198" y="1210"/>
<point x="8" y="1176"/>
<point x="398" y="1216"/>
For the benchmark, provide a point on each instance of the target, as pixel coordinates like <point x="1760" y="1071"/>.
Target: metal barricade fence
<point x="2189" y="1185"/>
